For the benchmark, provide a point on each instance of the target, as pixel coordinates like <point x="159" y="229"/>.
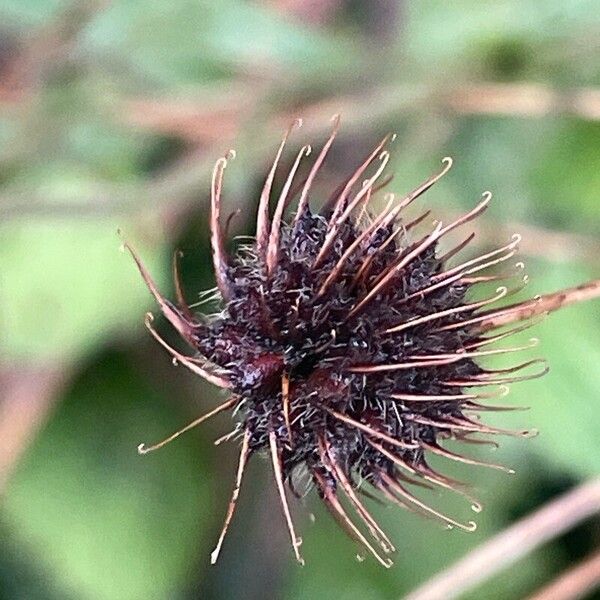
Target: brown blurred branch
<point x="312" y="12"/>
<point x="27" y="396"/>
<point x="517" y="100"/>
<point x="575" y="583"/>
<point x="193" y="122"/>
<point x="512" y="544"/>
<point x="32" y="57"/>
<point x="524" y="100"/>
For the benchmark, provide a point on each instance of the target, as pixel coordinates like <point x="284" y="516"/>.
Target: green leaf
<point x="65" y="287"/>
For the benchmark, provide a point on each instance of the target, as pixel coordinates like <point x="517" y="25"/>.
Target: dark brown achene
<point x="351" y="351"/>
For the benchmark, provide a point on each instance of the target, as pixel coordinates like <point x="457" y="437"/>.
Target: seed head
<point x="351" y="348"/>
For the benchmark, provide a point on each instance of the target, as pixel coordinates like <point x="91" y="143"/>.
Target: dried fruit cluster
<point x="351" y="350"/>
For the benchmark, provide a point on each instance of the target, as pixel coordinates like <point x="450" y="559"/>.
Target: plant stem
<point x="512" y="544"/>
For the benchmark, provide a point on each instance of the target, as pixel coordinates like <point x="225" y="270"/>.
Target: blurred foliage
<point x="94" y="519"/>
<point x="111" y="115"/>
<point x="62" y="288"/>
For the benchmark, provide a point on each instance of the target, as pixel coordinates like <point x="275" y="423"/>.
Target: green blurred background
<point x="111" y="116"/>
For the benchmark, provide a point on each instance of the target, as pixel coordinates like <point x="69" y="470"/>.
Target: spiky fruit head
<point x="350" y="349"/>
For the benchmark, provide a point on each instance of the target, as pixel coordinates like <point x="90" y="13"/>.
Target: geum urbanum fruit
<point x="351" y="349"/>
